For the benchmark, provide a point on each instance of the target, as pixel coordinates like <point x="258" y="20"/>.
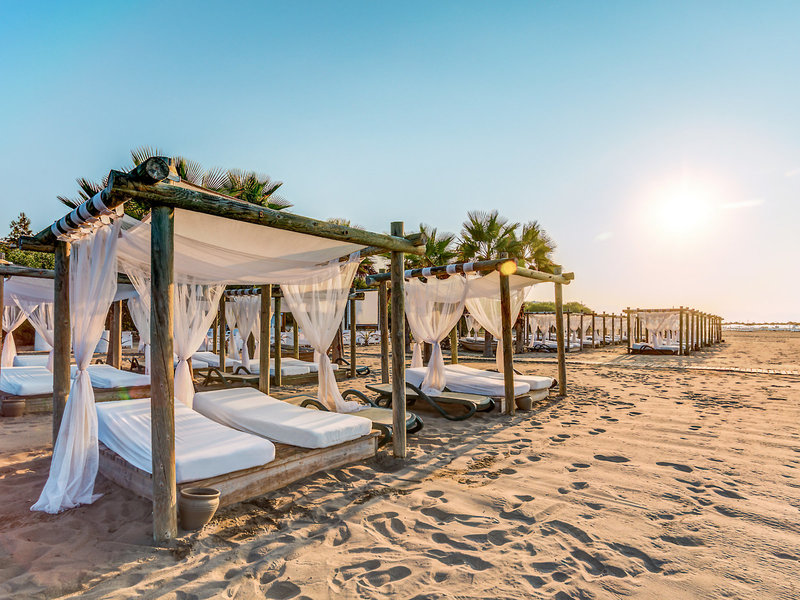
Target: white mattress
<point x="469" y="384"/>
<point x="107" y="377"/>
<point x="534" y="381"/>
<point x="203" y="448"/>
<point x="640" y="345"/>
<point x="31" y="381"/>
<point x="249" y="410"/>
<point x="31" y="360"/>
<point x="286" y="369"/>
<point x="26" y="381"/>
<point x="211" y="359"/>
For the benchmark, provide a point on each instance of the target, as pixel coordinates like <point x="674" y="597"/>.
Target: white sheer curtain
<point x="139" y="308"/>
<point x="195" y="309"/>
<point x="318" y="308"/>
<point x="92" y="285"/>
<point x="43" y="320"/>
<point x="247" y="311"/>
<point x="483" y="303"/>
<point x="231" y="322"/>
<point x="433" y="309"/>
<point x="13" y="317"/>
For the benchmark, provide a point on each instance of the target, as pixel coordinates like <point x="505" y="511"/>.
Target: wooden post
<point x="214" y="327"/>
<point x="454" y="345"/>
<point x="594" y="330"/>
<point x="398" y="349"/>
<point x="352" y="337"/>
<point x="162" y="385"/>
<point x="264" y="343"/>
<point x="508" y="350"/>
<point x="278" y="331"/>
<point x="223" y="345"/>
<point x="383" y="320"/>
<point x="628" y="316"/>
<point x="613" y="338"/>
<point x="569" y="332"/>
<point x="114" y="355"/>
<point x="680" y="332"/>
<point x="61" y="334"/>
<point x="605" y="330"/>
<point x="580" y="338"/>
<point x="295" y="340"/>
<point x="562" y="359"/>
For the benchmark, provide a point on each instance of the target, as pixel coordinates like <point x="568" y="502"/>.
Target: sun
<point x="684" y="208"/>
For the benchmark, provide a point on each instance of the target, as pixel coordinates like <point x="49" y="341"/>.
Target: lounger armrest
<point x="315" y="403"/>
<point x="242" y="370"/>
<point x="360" y="395"/>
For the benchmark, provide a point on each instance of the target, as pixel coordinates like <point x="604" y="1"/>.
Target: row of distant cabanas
<point x="179" y="259"/>
<point x="671" y="330"/>
<point x="584" y="330"/>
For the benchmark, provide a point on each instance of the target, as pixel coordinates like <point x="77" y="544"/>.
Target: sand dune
<point x="642" y="483"/>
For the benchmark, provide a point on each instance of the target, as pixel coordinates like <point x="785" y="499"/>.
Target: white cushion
<point x="26" y="381"/>
<point x="534" y="381"/>
<point x="249" y="410"/>
<point x="203" y="448"/>
<point x="211" y="359"/>
<point x="31" y="360"/>
<point x="466" y="383"/>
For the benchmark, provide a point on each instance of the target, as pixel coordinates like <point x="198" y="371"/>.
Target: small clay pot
<point x="524" y="403"/>
<point x="196" y="507"/>
<point x="13" y="408"/>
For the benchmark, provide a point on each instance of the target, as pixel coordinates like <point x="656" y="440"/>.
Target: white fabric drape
<point x="247" y="311"/>
<point x="483" y="303"/>
<point x="433" y="309"/>
<point x="139" y="308"/>
<point x="231" y="322"/>
<point x="195" y="309"/>
<point x="13" y="317"/>
<point x="318" y="309"/>
<point x="43" y="320"/>
<point x="92" y="285"/>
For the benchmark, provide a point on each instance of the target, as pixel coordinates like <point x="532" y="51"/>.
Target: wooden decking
<point x="291" y="464"/>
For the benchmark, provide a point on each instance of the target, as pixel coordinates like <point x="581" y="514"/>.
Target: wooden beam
<point x="162" y="385"/>
<point x="114" y="355"/>
<point x="508" y="350"/>
<point x="278" y="331"/>
<point x="264" y="343"/>
<point x="562" y="359"/>
<point x="474" y="267"/>
<point x="398" y="349"/>
<point x="62" y="332"/>
<point x="352" y="338"/>
<point x="204" y="201"/>
<point x="383" y="322"/>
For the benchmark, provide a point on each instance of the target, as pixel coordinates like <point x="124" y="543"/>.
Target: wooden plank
<point x="264" y="343"/>
<point x="61" y="334"/>
<point x="278" y="330"/>
<point x="383" y="321"/>
<point x="562" y="359"/>
<point x="508" y="350"/>
<point x="290" y="464"/>
<point x="165" y="500"/>
<point x="398" y="349"/>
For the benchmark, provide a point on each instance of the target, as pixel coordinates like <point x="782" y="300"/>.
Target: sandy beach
<point x="643" y="482"/>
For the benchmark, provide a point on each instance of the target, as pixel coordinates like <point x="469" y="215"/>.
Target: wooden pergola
<point x="156" y="184"/>
<point x="605" y="320"/>
<point x="696" y="329"/>
<point x="505" y="267"/>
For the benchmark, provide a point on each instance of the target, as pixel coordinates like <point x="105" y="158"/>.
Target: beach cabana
<point x="194" y="242"/>
<point x="679" y="331"/>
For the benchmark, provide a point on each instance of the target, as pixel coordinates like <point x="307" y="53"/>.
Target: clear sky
<point x="657" y="142"/>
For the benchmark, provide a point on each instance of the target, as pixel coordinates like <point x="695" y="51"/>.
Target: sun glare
<point x="683" y="209"/>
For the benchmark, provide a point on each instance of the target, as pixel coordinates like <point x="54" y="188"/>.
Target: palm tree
<point x="484" y="236"/>
<point x="537" y="247"/>
<point x="440" y="249"/>
<point x="254" y="188"/>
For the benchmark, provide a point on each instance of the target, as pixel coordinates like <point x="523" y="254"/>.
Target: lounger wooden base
<point x="214" y="377"/>
<point x="43" y="403"/>
<point x="647" y="349"/>
<point x="471" y="403"/>
<point x="291" y="464"/>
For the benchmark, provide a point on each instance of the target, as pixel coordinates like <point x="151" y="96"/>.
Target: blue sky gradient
<point x="607" y="122"/>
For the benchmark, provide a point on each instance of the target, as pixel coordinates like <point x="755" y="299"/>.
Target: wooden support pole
<point x="162" y="385"/>
<point x="278" y="331"/>
<point x="580" y="337"/>
<point x="214" y="327"/>
<point x="680" y="332"/>
<point x="569" y="332"/>
<point x="383" y="322"/>
<point x="114" y="355"/>
<point x="594" y="330"/>
<point x="398" y="349"/>
<point x="454" y="345"/>
<point x="264" y="339"/>
<point x="223" y="340"/>
<point x="296" y="340"/>
<point x="508" y="350"/>
<point x="562" y="359"/>
<point x="61" y="334"/>
<point x="628" y="317"/>
<point x="605" y="331"/>
<point x="352" y="338"/>
<point x="613" y="337"/>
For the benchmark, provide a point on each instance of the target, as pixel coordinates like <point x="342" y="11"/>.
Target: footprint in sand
<point x="596" y="431"/>
<point x="677" y="466"/>
<point x="612" y="458"/>
<point x="282" y="590"/>
<point x="581" y="465"/>
<point x="580" y="485"/>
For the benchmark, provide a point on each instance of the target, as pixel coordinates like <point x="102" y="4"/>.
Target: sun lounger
<point x="644" y="348"/>
<point x="211" y="360"/>
<point x="539" y="386"/>
<point x="289" y="367"/>
<point x="251" y="411"/>
<point x="382" y="418"/>
<point x="472" y="403"/>
<point x="31" y="360"/>
<point x="203" y="448"/>
<point x="468" y="383"/>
